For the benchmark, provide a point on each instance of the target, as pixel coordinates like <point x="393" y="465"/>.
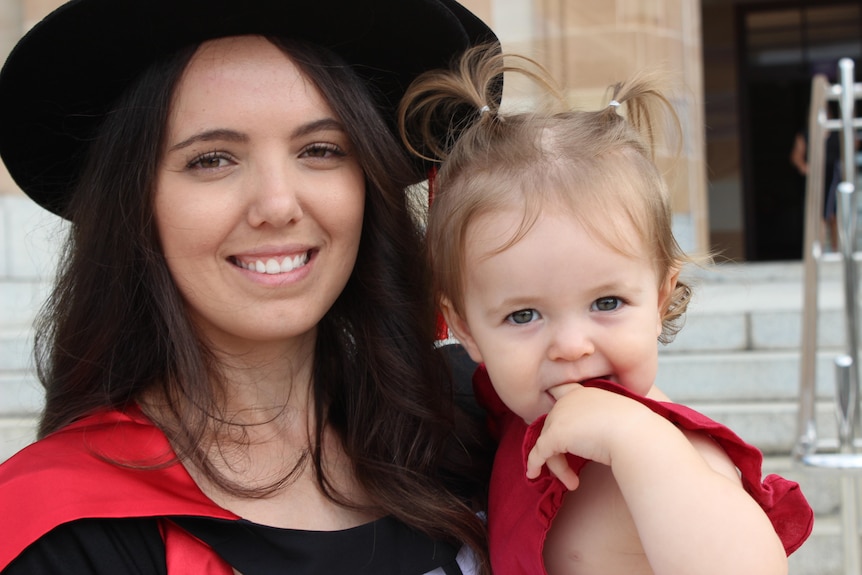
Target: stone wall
<point x="587" y="44"/>
<point x="29" y="237"/>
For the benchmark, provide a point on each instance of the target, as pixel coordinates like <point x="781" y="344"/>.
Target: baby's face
<point x="556" y="307"/>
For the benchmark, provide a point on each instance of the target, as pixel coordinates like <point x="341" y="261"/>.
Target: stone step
<point x="739" y="307"/>
<point x="743" y="376"/>
<point x="15" y="433"/>
<point x="736" y="360"/>
<point x="717" y="330"/>
<point x="16" y="349"/>
<point x="21" y="394"/>
<point x="823" y="552"/>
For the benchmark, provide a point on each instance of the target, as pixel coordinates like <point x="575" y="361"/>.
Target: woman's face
<point x="259" y="197"/>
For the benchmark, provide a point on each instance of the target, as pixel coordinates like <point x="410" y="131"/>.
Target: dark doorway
<point x="781" y="47"/>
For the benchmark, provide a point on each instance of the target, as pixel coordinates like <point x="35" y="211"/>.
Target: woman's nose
<point x="275" y="192"/>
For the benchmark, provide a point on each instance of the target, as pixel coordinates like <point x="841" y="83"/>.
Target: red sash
<point x="108" y="465"/>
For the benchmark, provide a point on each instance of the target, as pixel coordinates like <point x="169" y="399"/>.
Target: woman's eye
<point x="609" y="303"/>
<point x="322" y="150"/>
<point x="209" y="161"/>
<point x="523" y="316"/>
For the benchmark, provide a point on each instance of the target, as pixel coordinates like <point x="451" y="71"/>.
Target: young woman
<point x="238" y="354"/>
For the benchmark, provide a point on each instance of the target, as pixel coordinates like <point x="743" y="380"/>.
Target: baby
<point x="556" y="267"/>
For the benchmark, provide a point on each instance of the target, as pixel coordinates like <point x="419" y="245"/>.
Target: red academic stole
<point x="108" y="465"/>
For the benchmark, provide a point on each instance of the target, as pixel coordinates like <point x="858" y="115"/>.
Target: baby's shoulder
<point x="714" y="455"/>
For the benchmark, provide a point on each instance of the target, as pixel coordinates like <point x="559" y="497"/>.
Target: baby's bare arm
<point x="684" y="495"/>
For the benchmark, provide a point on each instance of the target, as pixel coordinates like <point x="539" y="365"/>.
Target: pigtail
<point x="451" y="101"/>
<point x="464" y="99"/>
<point x="645" y="106"/>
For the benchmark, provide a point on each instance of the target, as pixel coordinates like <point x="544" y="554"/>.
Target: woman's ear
<point x="460" y="329"/>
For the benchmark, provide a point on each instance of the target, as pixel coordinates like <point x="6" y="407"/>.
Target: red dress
<point x="520" y="511"/>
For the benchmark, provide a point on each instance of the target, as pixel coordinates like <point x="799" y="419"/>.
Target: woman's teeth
<point x="275" y="266"/>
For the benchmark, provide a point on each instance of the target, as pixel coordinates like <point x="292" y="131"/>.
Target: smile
<point x="274" y="266"/>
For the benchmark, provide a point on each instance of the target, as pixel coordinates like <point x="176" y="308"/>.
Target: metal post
<point x="845" y="460"/>
<point x="847" y="376"/>
<point x="806" y="442"/>
<point x="845" y="398"/>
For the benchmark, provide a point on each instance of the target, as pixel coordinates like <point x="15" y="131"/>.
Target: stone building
<point x="742" y="69"/>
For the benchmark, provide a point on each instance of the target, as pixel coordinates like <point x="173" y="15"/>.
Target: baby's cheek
<point x="638" y="379"/>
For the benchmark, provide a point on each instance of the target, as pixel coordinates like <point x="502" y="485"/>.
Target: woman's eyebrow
<point x="235" y="136"/>
<point x="322" y="124"/>
<point x="209" y="136"/>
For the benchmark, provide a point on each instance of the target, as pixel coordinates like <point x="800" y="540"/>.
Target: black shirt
<point x="134" y="546"/>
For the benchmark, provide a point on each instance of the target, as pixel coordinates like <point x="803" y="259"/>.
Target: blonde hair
<point x="598" y="165"/>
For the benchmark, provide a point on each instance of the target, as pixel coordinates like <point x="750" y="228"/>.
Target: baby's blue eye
<point x="609" y="303"/>
<point x="523" y="316"/>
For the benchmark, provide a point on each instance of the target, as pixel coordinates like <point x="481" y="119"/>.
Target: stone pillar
<point x="591" y="44"/>
<point x="11" y="28"/>
<point x="11" y="24"/>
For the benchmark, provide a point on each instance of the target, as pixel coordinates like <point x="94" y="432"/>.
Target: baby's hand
<point x="588" y="422"/>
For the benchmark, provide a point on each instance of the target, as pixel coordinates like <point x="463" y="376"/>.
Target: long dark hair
<point x="115" y="325"/>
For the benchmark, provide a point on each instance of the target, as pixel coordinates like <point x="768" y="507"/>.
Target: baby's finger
<point x="535" y="461"/>
<point x="559" y="466"/>
<point x="540" y="454"/>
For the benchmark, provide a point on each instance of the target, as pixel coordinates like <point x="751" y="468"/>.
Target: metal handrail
<point x="810" y="450"/>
